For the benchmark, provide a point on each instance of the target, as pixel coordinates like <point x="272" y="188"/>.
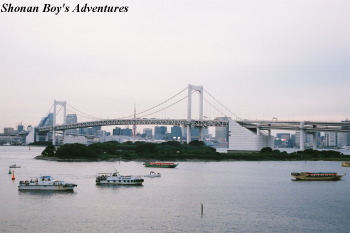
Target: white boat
<point x="45" y="183"/>
<point x="153" y="174"/>
<point x="116" y="178"/>
<point x="14" y="166"/>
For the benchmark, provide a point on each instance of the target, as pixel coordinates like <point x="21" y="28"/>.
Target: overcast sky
<point x="288" y="59"/>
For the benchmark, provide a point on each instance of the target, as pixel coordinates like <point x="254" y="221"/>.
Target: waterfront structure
<point x="243" y="139"/>
<point x="9" y="131"/>
<point x="70" y="139"/>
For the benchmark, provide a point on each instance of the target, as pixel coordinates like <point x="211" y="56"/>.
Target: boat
<point x="116" y="178"/>
<point x="14" y="166"/>
<point x="153" y="174"/>
<point x="345" y="164"/>
<point x="316" y="175"/>
<point x="160" y="164"/>
<point x="46" y="183"/>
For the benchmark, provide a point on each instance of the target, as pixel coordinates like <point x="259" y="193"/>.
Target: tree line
<point x="176" y="151"/>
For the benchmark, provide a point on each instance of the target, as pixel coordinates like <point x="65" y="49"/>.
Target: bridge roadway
<point x="307" y="126"/>
<point x="178" y="122"/>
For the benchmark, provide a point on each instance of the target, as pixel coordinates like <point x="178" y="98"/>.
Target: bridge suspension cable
<point x="145" y="111"/>
<point x="221" y="105"/>
<point x="166" y="107"/>
<point x="85" y="114"/>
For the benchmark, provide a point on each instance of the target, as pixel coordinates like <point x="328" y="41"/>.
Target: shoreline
<point x="56" y="159"/>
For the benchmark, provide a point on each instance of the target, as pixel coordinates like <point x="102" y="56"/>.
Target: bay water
<point x="196" y="196"/>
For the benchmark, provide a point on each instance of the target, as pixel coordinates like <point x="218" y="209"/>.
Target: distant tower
<point x="134" y="126"/>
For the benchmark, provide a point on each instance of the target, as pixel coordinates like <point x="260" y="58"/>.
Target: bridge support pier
<point x="302" y="136"/>
<point x="314" y="138"/>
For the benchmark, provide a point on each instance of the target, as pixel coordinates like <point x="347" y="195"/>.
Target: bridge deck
<point x="308" y="126"/>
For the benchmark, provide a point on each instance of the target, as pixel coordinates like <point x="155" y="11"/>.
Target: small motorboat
<point x="345" y="164"/>
<point x="14" y="166"/>
<point x="153" y="174"/>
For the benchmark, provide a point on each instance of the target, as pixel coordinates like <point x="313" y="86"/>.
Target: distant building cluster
<point x="325" y="140"/>
<point x="96" y="134"/>
<point x="13" y="136"/>
<point x="22" y="136"/>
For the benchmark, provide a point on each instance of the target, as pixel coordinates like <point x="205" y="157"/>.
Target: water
<point x="236" y="197"/>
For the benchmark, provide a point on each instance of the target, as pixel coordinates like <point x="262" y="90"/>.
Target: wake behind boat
<point x="116" y="178"/>
<point x="160" y="164"/>
<point x="316" y="176"/>
<point x="46" y="183"/>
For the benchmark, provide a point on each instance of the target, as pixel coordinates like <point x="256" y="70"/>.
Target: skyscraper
<point x="148" y="133"/>
<point x="159" y="132"/>
<point x="71" y="119"/>
<point x="176" y="133"/>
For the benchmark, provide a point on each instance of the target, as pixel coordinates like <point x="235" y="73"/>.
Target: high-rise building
<point x="221" y="132"/>
<point x="126" y="132"/>
<point x="20" y="128"/>
<point x="342" y="139"/>
<point x="159" y="132"/>
<point x="347" y="134"/>
<point x="71" y="119"/>
<point x="331" y="139"/>
<point x="282" y="139"/>
<point x="46" y="121"/>
<point x="176" y="133"/>
<point x="117" y="131"/>
<point x="148" y="133"/>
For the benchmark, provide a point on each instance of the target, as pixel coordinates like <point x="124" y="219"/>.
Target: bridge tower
<point x="199" y="89"/>
<point x="62" y="103"/>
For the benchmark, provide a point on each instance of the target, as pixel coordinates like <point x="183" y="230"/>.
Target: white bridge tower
<point x="62" y="103"/>
<point x="199" y="89"/>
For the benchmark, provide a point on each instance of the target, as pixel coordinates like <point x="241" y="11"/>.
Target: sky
<point x="261" y="59"/>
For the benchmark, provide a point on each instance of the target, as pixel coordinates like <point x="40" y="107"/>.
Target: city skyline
<point x="261" y="59"/>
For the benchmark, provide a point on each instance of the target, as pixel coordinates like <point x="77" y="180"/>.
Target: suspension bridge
<point x="241" y="134"/>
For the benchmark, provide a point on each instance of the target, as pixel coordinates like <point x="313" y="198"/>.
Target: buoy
<point x="13" y="175"/>
<point x="201" y="208"/>
<point x="10" y="171"/>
